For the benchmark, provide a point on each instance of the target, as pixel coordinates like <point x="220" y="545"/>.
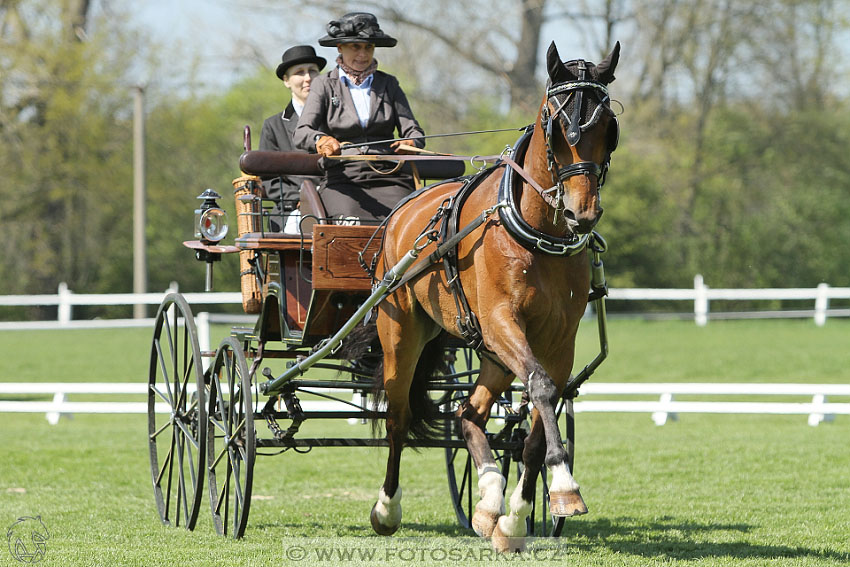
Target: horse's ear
<point x="557" y="71"/>
<point x="606" y="67"/>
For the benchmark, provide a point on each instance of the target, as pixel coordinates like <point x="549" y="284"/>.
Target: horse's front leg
<point x="564" y="496"/>
<point x="510" y="344"/>
<point x="533" y="456"/>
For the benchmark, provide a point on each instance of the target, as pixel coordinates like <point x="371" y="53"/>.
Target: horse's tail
<point x="427" y="420"/>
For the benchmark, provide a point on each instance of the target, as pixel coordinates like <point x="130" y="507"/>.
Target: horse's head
<point x="580" y="132"/>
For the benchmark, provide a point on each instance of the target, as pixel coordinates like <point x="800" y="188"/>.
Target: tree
<point x="63" y="127"/>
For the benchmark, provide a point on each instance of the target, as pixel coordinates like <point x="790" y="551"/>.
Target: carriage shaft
<point x="274" y="387"/>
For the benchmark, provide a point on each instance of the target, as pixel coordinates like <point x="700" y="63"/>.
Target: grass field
<point x="707" y="490"/>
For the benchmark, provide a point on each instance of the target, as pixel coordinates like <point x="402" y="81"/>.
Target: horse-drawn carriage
<point x="312" y="292"/>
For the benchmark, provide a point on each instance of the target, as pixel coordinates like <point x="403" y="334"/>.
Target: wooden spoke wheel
<point x="231" y="439"/>
<point x="176" y="414"/>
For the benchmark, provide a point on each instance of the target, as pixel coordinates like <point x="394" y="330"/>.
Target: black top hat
<point x="356" y="27"/>
<point x="297" y="55"/>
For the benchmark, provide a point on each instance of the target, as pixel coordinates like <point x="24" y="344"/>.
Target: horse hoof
<point x="380" y="528"/>
<point x="503" y="543"/>
<point x="564" y="504"/>
<point x="484" y="522"/>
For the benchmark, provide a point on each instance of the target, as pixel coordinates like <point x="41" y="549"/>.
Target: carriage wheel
<point x="231" y="440"/>
<point x="176" y="414"/>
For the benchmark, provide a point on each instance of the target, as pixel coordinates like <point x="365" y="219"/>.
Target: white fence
<point x="665" y="408"/>
<point x="65" y="300"/>
<point x="700" y="296"/>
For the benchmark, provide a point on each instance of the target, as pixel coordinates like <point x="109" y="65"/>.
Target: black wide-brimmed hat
<point x="356" y="27"/>
<point x="297" y="55"/>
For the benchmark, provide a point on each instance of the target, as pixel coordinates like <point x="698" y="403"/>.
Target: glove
<point x="327" y="146"/>
<point x="395" y="146"/>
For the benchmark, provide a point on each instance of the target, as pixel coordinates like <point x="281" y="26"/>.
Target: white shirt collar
<point x="349" y="82"/>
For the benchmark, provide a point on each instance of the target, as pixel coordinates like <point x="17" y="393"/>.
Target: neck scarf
<point x="357" y="76"/>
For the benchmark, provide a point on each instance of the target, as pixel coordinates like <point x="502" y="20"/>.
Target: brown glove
<point x="327" y="146"/>
<point x="398" y="146"/>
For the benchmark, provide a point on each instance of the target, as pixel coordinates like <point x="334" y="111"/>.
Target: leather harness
<point x="447" y="217"/>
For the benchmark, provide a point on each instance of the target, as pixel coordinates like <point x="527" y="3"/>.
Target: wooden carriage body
<point x="313" y="283"/>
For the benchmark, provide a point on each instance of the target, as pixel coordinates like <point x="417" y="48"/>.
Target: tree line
<point x="733" y="159"/>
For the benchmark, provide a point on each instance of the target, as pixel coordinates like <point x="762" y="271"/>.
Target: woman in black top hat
<point x="356" y="103"/>
<point x="299" y="66"/>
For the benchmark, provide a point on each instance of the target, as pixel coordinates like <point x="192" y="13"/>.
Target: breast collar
<point x="525" y="234"/>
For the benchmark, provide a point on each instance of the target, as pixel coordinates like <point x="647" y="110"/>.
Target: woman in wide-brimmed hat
<point x="356" y="103"/>
<point x="298" y="67"/>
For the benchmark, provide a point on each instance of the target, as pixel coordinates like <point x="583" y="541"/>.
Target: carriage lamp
<point x="210" y="219"/>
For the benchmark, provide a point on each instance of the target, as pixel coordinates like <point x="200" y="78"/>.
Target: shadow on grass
<point x="672" y="538"/>
<point x="408" y="529"/>
<point x="667" y="538"/>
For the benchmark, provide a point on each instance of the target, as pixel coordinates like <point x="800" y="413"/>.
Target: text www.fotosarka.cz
<point x="416" y="550"/>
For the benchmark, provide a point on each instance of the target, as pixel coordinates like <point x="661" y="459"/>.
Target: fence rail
<point x="664" y="409"/>
<point x="700" y="295"/>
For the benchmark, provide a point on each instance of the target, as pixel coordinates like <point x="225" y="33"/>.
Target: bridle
<point x="558" y="96"/>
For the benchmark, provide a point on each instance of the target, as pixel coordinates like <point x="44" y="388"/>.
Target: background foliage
<point x="733" y="160"/>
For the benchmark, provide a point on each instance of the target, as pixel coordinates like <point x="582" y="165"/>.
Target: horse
<point x="525" y="279"/>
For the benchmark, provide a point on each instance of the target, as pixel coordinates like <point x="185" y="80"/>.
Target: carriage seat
<point x="266" y="163"/>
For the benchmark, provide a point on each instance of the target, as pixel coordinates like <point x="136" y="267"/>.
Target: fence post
<point x="700" y="301"/>
<point x="53" y="416"/>
<point x="821" y="304"/>
<point x="64" y="304"/>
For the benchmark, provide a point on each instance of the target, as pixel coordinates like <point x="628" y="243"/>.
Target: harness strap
<point x="466" y="320"/>
<point x="448" y="244"/>
<point x="370" y="268"/>
<point x="450" y="235"/>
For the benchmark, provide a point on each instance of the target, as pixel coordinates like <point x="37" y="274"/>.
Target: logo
<point x="28" y="539"/>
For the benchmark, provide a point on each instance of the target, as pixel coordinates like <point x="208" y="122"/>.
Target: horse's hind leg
<point x="473" y="419"/>
<point x="401" y="353"/>
<point x="385" y="516"/>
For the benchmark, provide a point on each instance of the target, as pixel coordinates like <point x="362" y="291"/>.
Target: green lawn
<point x="707" y="490"/>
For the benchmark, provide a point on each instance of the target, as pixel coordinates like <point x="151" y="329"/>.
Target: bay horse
<point x="525" y="274"/>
